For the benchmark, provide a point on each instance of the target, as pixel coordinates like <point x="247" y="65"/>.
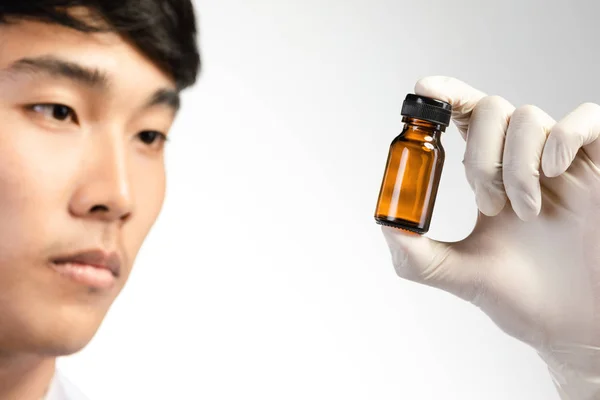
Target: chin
<point x="54" y="334"/>
<point x="61" y="347"/>
<point x="70" y="335"/>
<point x="61" y="343"/>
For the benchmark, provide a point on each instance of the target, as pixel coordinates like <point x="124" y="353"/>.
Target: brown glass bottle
<point x="414" y="166"/>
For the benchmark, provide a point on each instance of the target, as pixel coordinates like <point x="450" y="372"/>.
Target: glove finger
<point x="433" y="263"/>
<point x="525" y="138"/>
<point x="579" y="129"/>
<point x="483" y="154"/>
<point x="460" y="95"/>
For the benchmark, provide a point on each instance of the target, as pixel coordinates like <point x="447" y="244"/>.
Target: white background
<point x="265" y="276"/>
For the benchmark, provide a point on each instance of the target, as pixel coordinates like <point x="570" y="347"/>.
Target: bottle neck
<point x="424" y="124"/>
<point x="419" y="128"/>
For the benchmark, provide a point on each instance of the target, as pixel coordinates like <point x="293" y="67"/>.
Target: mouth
<point x="96" y="268"/>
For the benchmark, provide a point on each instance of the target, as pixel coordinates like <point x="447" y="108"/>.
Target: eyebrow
<point x="87" y="76"/>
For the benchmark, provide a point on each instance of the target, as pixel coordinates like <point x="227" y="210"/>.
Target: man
<point x="87" y="96"/>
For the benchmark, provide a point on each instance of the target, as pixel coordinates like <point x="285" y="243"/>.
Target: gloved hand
<point x="532" y="263"/>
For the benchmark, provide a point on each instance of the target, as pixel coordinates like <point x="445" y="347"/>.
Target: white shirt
<point x="62" y="389"/>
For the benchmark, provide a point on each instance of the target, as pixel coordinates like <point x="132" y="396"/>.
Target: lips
<point x="94" y="258"/>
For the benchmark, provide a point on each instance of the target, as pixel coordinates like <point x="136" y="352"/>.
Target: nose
<point x="103" y="191"/>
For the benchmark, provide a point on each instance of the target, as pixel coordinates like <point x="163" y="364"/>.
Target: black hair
<point x="163" y="30"/>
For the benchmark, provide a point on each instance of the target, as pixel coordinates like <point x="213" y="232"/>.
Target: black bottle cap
<point x="427" y="109"/>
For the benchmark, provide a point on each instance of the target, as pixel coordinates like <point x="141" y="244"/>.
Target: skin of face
<point x="89" y="176"/>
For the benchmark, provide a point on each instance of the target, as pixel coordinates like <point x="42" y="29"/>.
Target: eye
<point x="58" y="112"/>
<point x="152" y="137"/>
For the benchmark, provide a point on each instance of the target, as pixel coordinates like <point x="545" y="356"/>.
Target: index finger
<point x="460" y="95"/>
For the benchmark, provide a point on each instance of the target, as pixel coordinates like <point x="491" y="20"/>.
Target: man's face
<point x="81" y="168"/>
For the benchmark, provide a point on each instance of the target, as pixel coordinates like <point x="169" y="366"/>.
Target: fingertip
<point x="527" y="214"/>
<point x="549" y="168"/>
<point x="444" y="88"/>
<point x="387" y="232"/>
<point x="399" y="244"/>
<point x="489" y="211"/>
<point x="489" y="203"/>
<point x="427" y="86"/>
<point x="527" y="204"/>
<point x="400" y="241"/>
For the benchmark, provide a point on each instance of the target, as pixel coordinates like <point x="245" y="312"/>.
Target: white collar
<point x="62" y="389"/>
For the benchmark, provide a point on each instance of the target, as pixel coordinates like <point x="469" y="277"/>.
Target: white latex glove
<point x="532" y="263"/>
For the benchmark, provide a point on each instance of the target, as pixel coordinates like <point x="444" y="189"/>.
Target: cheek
<point x="31" y="187"/>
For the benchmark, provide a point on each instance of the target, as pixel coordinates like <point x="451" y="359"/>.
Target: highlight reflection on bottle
<point x="414" y="166"/>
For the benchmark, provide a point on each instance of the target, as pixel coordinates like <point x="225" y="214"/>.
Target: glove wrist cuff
<point x="571" y="383"/>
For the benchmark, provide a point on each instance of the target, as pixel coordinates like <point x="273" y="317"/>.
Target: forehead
<point x="123" y="63"/>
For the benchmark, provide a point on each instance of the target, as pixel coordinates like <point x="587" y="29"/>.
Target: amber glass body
<point x="412" y="176"/>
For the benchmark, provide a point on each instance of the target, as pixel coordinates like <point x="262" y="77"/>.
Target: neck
<point x="25" y="377"/>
